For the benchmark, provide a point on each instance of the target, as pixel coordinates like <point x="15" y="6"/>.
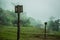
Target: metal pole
<point x="18" y="27"/>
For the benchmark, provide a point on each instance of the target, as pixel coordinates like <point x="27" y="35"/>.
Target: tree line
<point x="10" y="18"/>
<point x="54" y="24"/>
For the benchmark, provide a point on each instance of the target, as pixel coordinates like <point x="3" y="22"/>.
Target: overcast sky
<point x="38" y="9"/>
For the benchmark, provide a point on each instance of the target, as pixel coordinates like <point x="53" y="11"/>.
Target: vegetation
<point x="31" y="29"/>
<point x="26" y="33"/>
<point x="10" y="18"/>
<point x="54" y="24"/>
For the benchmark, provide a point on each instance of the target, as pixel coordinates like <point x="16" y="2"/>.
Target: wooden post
<point x="18" y="27"/>
<point x="18" y="10"/>
<point x="45" y="31"/>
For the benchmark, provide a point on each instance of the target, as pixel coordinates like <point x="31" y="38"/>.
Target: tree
<point x="6" y="17"/>
<point x="54" y="24"/>
<point x="57" y="24"/>
<point x="51" y="23"/>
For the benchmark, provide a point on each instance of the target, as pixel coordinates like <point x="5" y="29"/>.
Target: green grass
<point x="26" y="33"/>
<point x="7" y="33"/>
<point x="10" y="33"/>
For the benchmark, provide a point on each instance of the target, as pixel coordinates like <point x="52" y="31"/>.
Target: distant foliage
<point x="10" y="18"/>
<point x="6" y="17"/>
<point x="54" y="24"/>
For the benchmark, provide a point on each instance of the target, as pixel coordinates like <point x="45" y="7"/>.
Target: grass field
<point x="26" y="33"/>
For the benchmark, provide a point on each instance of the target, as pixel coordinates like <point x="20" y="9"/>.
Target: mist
<point x="38" y="9"/>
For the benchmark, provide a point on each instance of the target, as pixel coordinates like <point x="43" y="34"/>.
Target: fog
<point x="38" y="9"/>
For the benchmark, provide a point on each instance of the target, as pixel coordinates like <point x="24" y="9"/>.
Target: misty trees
<point x="2" y="17"/>
<point x="57" y="24"/>
<point x="50" y="25"/>
<point x="10" y="18"/>
<point x="6" y="17"/>
<point x="54" y="24"/>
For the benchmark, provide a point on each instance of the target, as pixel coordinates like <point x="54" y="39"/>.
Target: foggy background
<point x="38" y="9"/>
